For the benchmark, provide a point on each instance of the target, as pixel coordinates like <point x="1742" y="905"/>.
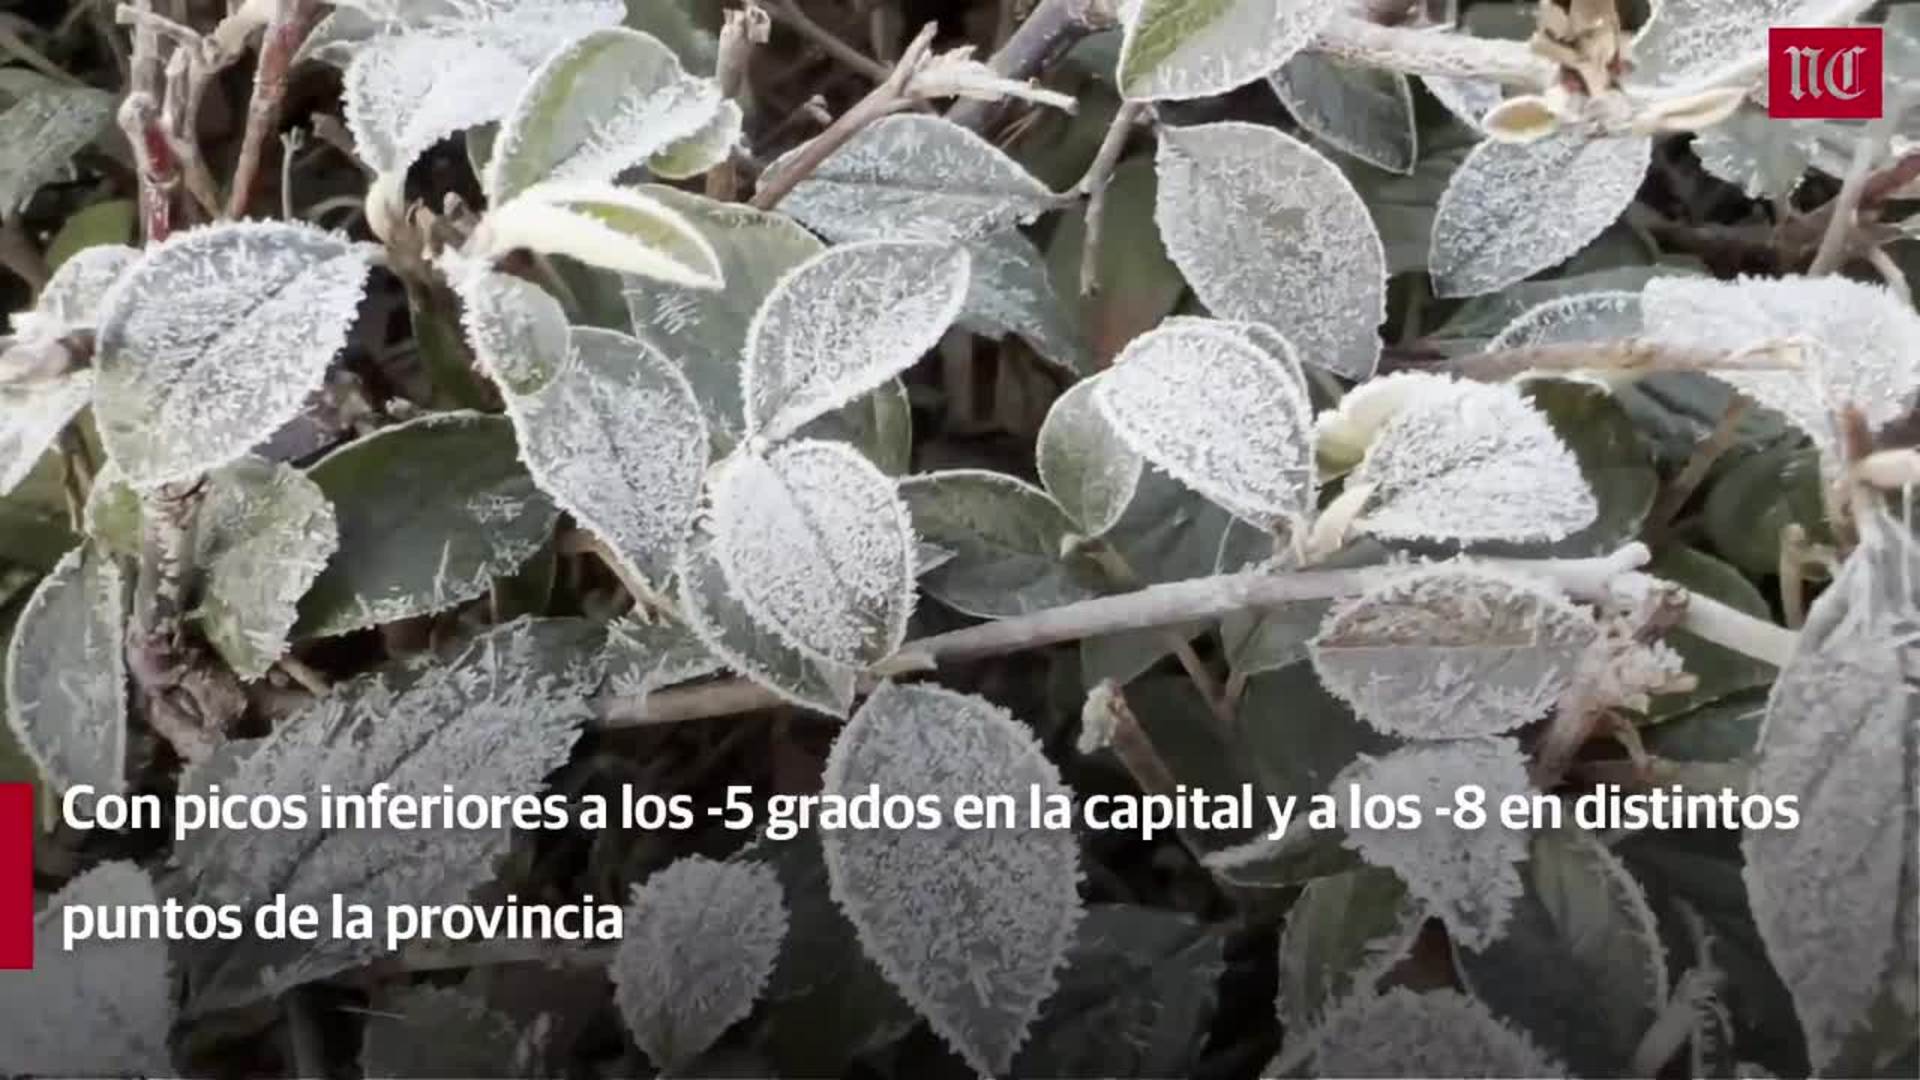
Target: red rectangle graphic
<point x="16" y="876"/>
<point x="1825" y="72"/>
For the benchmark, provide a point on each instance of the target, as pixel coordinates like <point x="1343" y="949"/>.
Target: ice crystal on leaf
<point x="915" y="176"/>
<point x="817" y="547"/>
<point x="493" y="721"/>
<point x="724" y="625"/>
<point x="1834" y="899"/>
<point x="1695" y="42"/>
<point x="1342" y="935"/>
<point x="74" y="296"/>
<point x="614" y="228"/>
<point x="1513" y="209"/>
<point x="1342" y="434"/>
<point x="1859" y="344"/>
<point x="644" y="657"/>
<point x="104" y="1009"/>
<point x="41" y="131"/>
<point x="1468" y="461"/>
<point x="529" y="29"/>
<point x="1176" y="49"/>
<point x="1268" y="231"/>
<point x="1438" y="1033"/>
<point x="404" y="93"/>
<point x="1006" y="538"/>
<point x="1084" y="463"/>
<point x="1568" y="320"/>
<point x="844" y="322"/>
<point x="1220" y="412"/>
<point x="1010" y="291"/>
<point x="1452" y="650"/>
<point x="216" y="339"/>
<point x="66" y="673"/>
<point x="604" y="104"/>
<point x="970" y="925"/>
<point x="1362" y="111"/>
<point x="1469" y="879"/>
<point x="1468" y="100"/>
<point x="700" y="941"/>
<point x="428" y="1030"/>
<point x="32" y="415"/>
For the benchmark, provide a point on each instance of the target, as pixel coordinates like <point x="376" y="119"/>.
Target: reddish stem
<point x="292" y="20"/>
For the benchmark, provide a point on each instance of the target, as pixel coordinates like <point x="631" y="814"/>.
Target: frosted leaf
<point x="1767" y="157"/>
<point x="1581" y="966"/>
<point x="602" y="105"/>
<point x="1859" y="344"/>
<point x="104" y="1009"/>
<point x="66" y="673"/>
<point x="878" y="424"/>
<point x="493" y="721"/>
<point x="1268" y="231"/>
<point x="613" y="228"/>
<point x="1343" y="934"/>
<point x="41" y="131"/>
<point x="1451" y="651"/>
<point x="1177" y="49"/>
<point x="1513" y="209"/>
<point x="404" y="93"/>
<point x="978" y="954"/>
<point x="517" y="330"/>
<point x="430" y="512"/>
<point x="1689" y="42"/>
<point x="1569" y="320"/>
<point x="528" y="29"/>
<point x="1007" y="540"/>
<point x="426" y="1030"/>
<point x="705" y="330"/>
<point x="1469" y="879"/>
<point x="264" y="534"/>
<point x="1220" y="414"/>
<point x="216" y="339"/>
<point x="74" y="296"/>
<point x="844" y="322"/>
<point x="756" y="653"/>
<point x="1362" y="111"/>
<point x="818" y="548"/>
<point x="1010" y="291"/>
<point x="1343" y="433"/>
<point x="1084" y="463"/>
<point x="1437" y="1033"/>
<point x="1839" y="734"/>
<point x="1466" y="461"/>
<point x="700" y="941"/>
<point x="1467" y="99"/>
<point x="914" y="176"/>
<point x="32" y="415"/>
<point x="644" y="657"/>
<point x="707" y="147"/>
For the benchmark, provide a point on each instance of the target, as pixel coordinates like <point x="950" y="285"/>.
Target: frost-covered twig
<point x="140" y="119"/>
<point x="1042" y="38"/>
<point x="1699" y="463"/>
<point x="742" y="29"/>
<point x="1625" y="355"/>
<point x="291" y="21"/>
<point x="1425" y="52"/>
<point x="1094" y="186"/>
<point x="1846" y="206"/>
<point x="1203" y="599"/>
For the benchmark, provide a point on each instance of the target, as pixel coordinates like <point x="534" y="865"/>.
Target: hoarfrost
<point x="1568" y="320"/>
<point x="817" y="547"/>
<point x="1362" y="111"/>
<point x="1438" y="1033"/>
<point x="1834" y="899"/>
<point x="1084" y="463"/>
<point x="1691" y="42"/>
<point x="427" y="1030"/>
<point x="1452" y="650"/>
<point x="1343" y="934"/>
<point x="1513" y="209"/>
<point x="1343" y="433"/>
<point x="404" y="93"/>
<point x="976" y="956"/>
<point x="844" y="322"/>
<point x="493" y="721"/>
<point x="528" y="29"/>
<point x="1467" y="878"/>
<point x="104" y="1009"/>
<point x="613" y="228"/>
<point x="1468" y="100"/>
<point x="32" y="415"/>
<point x="66" y="673"/>
<point x="915" y="176"/>
<point x="265" y="533"/>
<point x="1859" y="344"/>
<point x="41" y="132"/>
<point x="1219" y="413"/>
<point x="78" y="290"/>
<point x="1177" y="49"/>
<point x="216" y="339"/>
<point x="1469" y="461"/>
<point x="644" y="657"/>
<point x="1006" y="540"/>
<point x="603" y="104"/>
<point x="701" y="939"/>
<point x="1268" y="231"/>
<point x="1010" y="291"/>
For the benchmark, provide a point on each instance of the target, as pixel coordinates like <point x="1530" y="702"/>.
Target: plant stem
<point x="1043" y="37"/>
<point x="19" y="254"/>
<point x="1717" y="442"/>
<point x="1425" y="52"/>
<point x="1847" y="205"/>
<point x="291" y="21"/>
<point x="742" y="29"/>
<point x="789" y="14"/>
<point x="1094" y="185"/>
<point x="889" y="97"/>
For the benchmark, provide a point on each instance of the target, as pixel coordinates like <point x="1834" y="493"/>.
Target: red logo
<point x="16" y="876"/>
<point x="1824" y="72"/>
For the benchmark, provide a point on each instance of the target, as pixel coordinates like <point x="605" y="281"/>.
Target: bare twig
<point x="291" y="21"/>
<point x="1717" y="442"/>
<point x="890" y="97"/>
<point x="788" y="14"/>
<point x="19" y="254"/>
<point x="743" y="29"/>
<point x="1094" y="185"/>
<point x="1042" y="38"/>
<point x="1890" y="273"/>
<point x="16" y="46"/>
<point x="1846" y="206"/>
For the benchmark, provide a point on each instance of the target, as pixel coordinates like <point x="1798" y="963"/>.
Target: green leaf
<point x="1008" y="540"/>
<point x="1720" y="670"/>
<point x="107" y="222"/>
<point x="41" y="131"/>
<point x="1344" y="934"/>
<point x="601" y="105"/>
<point x="1752" y="500"/>
<point x="878" y="424"/>
<point x="264" y="533"/>
<point x="33" y="518"/>
<point x="614" y="228"/>
<point x="66" y="674"/>
<point x="1176" y="49"/>
<point x="1138" y="283"/>
<point x="1085" y="465"/>
<point x="16" y="764"/>
<point x="430" y="512"/>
